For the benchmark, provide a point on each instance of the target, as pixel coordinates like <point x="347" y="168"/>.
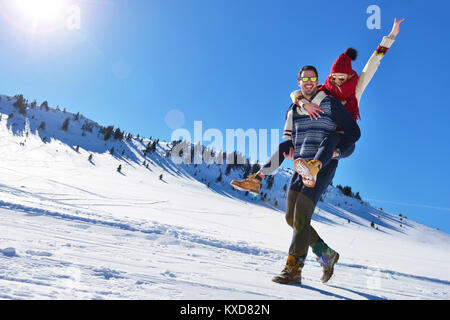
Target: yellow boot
<point x="292" y="272"/>
<point x="308" y="170"/>
<point x="251" y="184"/>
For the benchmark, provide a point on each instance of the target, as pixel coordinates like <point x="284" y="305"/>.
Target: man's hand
<point x="289" y="156"/>
<point x="395" y="28"/>
<point x="313" y="110"/>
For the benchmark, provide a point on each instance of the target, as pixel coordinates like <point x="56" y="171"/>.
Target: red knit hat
<point x="343" y="63"/>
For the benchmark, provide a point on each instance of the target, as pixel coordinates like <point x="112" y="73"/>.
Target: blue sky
<point x="232" y="64"/>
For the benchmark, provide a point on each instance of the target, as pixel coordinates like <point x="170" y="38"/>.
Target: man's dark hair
<point x="312" y="68"/>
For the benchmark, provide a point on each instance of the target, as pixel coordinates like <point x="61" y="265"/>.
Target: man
<point x="307" y="136"/>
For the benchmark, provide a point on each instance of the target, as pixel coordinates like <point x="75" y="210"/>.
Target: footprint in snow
<point x="39" y="253"/>
<point x="9" y="252"/>
<point x="169" y="274"/>
<point x="107" y="273"/>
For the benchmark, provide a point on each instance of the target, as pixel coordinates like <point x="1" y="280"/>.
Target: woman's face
<point x="338" y="79"/>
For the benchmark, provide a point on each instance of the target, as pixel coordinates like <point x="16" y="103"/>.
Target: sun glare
<point x="35" y="16"/>
<point x="41" y="10"/>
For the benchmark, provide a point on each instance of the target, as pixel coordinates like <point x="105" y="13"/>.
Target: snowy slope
<point x="74" y="228"/>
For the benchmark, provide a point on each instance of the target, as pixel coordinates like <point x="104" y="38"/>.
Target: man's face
<point x="309" y="88"/>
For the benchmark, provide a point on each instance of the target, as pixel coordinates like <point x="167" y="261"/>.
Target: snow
<point x="78" y="229"/>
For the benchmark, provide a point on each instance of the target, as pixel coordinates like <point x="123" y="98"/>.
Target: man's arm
<point x="374" y="61"/>
<point x="306" y="107"/>
<point x="345" y="121"/>
<point x="288" y="125"/>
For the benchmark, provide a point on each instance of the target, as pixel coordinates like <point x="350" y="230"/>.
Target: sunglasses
<point x="304" y="79"/>
<point x="342" y="78"/>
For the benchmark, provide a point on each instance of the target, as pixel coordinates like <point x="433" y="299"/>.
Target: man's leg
<point x="295" y="261"/>
<point x="315" y="241"/>
<point x="326" y="256"/>
<point x="303" y="211"/>
<point x="324" y="179"/>
<point x="299" y="210"/>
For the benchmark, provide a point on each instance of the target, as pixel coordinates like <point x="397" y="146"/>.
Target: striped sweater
<point x="307" y="135"/>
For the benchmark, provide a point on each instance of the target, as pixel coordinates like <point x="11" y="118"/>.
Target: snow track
<point x="63" y="257"/>
<point x="77" y="229"/>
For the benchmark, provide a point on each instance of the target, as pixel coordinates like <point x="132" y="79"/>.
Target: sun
<point x="35" y="16"/>
<point x="41" y="11"/>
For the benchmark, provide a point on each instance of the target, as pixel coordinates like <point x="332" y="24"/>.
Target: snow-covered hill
<point x="73" y="227"/>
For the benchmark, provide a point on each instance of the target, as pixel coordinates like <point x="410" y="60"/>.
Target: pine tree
<point x="111" y="151"/>
<point x="255" y="168"/>
<point x="90" y="157"/>
<point x="160" y="176"/>
<point x="247" y="169"/>
<point x="42" y="126"/>
<point x="228" y="169"/>
<point x="118" y="135"/>
<point x="20" y="104"/>
<point x="44" y="105"/>
<point x="107" y="132"/>
<point x="119" y="168"/>
<point x="65" y="124"/>
<point x="270" y="180"/>
<point x="219" y="178"/>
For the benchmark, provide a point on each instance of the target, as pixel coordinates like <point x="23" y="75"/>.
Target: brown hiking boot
<point x="327" y="261"/>
<point x="292" y="272"/>
<point x="251" y="184"/>
<point x="308" y="170"/>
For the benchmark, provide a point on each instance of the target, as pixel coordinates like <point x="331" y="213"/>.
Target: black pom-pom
<point x="352" y="53"/>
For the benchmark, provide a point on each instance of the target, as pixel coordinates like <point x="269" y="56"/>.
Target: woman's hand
<point x="395" y="28"/>
<point x="336" y="153"/>
<point x="313" y="110"/>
